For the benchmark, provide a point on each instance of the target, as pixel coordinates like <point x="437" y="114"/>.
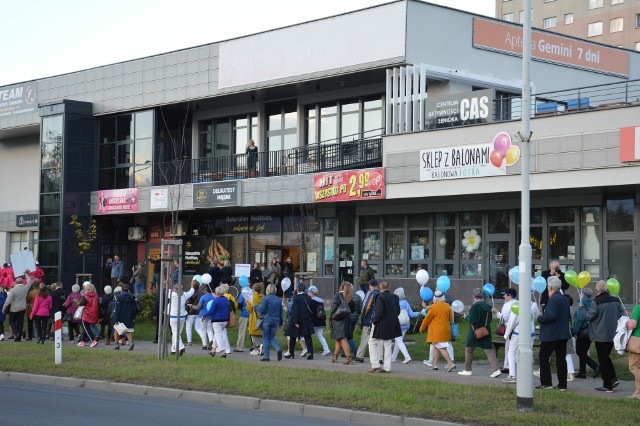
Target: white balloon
<point x="285" y="284"/>
<point x="248" y="294"/>
<point x="360" y="293"/>
<point x="422" y="276"/>
<point x="457" y="306"/>
<point x="206" y="278"/>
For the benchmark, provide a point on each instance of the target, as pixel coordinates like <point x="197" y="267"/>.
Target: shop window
<point x="347" y="225"/>
<point x="370" y="244"/>
<point x="419" y="243"/>
<point x="562" y="235"/>
<point x="471" y="244"/>
<point x="620" y="215"/>
<point x="591" y="240"/>
<point x="445" y="243"/>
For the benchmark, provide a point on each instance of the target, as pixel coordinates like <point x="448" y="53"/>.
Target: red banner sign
<point x="349" y="185"/>
<point x="118" y="201"/>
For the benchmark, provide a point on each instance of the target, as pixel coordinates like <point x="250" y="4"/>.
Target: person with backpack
<point x="124" y="316"/>
<point x="71" y="305"/>
<point x="581" y="331"/>
<point x="301" y="324"/>
<point x="319" y="318"/>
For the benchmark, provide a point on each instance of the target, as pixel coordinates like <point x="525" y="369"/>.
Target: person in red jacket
<point x="38" y="273"/>
<point x="90" y="314"/>
<point x="40" y="311"/>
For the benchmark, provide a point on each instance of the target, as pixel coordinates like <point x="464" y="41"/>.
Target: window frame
<point x="591" y="26"/>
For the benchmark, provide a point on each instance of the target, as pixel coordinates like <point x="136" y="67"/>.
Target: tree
<point x="83" y="237"/>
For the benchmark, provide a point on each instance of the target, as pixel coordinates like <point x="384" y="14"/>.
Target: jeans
<point x="91" y="330"/>
<point x="138" y="288"/>
<point x="350" y="342"/>
<point x="606" y="366"/>
<point x="560" y="349"/>
<point x="582" y="350"/>
<point x="269" y="329"/>
<point x="41" y="325"/>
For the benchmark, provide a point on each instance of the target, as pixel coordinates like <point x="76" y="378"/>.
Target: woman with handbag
<point x="438" y="320"/>
<point x="71" y="305"/>
<point x="404" y="326"/>
<point x="633" y="347"/>
<point x="271" y="311"/>
<point x="581" y="331"/>
<point x="479" y="334"/>
<point x="301" y="323"/>
<point x="255" y="332"/>
<point x="218" y="314"/>
<point x="341" y="330"/>
<point x="90" y="314"/>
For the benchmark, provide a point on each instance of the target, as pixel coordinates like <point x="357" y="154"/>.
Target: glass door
<point x="620" y="265"/>
<point x="500" y="261"/>
<point x="346" y="266"/>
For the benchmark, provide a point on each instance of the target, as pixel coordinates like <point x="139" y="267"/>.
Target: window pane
<point x="49" y="252"/>
<point x="144" y="124"/>
<point x="370" y="246"/>
<point x="124" y="153"/>
<point x="471" y="244"/>
<point x="394" y="241"/>
<point x="445" y="243"/>
<point x="50" y="204"/>
<point x="351" y="107"/>
<point x="620" y="215"/>
<point x="419" y="221"/>
<point x="347" y="226"/>
<point x="498" y="222"/>
<point x="122" y="177"/>
<point x="562" y="242"/>
<point x="142" y="176"/>
<point x="445" y="219"/>
<point x="52" y="129"/>
<point x="562" y="215"/>
<point x="51" y="154"/>
<point x="394" y="221"/>
<point x="50" y="180"/>
<point x="290" y="120"/>
<point x="369" y="222"/>
<point x="329" y="110"/>
<point x="568" y="18"/>
<point x="241" y="122"/>
<point x="372" y="123"/>
<point x="419" y="241"/>
<point x="107" y="179"/>
<point x="349" y="126"/>
<point x="535" y="239"/>
<point x="242" y="139"/>
<point x="107" y="155"/>
<point x="222" y="138"/>
<point x="376" y="103"/>
<point x="275" y="122"/>
<point x="50" y="226"/>
<point x="328" y="129"/>
<point x="471" y="219"/>
<point x="311" y="131"/>
<point x="108" y="130"/>
<point x="124" y="127"/>
<point x="144" y="153"/>
<point x="290" y="141"/>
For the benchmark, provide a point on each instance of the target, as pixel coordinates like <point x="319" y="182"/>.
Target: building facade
<point x="613" y="22"/>
<point x="376" y="144"/>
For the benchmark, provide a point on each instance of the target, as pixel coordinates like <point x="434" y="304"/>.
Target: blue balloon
<point x="443" y="283"/>
<point x="208" y="305"/>
<point x="488" y="289"/>
<point x="426" y="294"/>
<point x="514" y="274"/>
<point x="243" y="280"/>
<point x="539" y="284"/>
<point x="197" y="278"/>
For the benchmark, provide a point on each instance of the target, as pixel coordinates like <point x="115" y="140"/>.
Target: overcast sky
<point x="42" y="38"/>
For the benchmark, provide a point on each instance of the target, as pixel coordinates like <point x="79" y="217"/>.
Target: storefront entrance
<point x="500" y="259"/>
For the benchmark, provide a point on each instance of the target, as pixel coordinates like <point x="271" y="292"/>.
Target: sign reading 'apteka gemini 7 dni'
<point x="216" y="194"/>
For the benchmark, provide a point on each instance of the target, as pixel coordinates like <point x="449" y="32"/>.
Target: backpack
<point x="138" y="307"/>
<point x="320" y="312"/>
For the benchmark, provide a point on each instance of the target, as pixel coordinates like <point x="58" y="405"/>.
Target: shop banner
<point x="18" y="99"/>
<point x="23" y="220"/>
<point x="545" y="47"/>
<point x="159" y="198"/>
<point x="255" y="223"/>
<point x="459" y="162"/>
<point x="118" y="201"/>
<point x="195" y="256"/>
<point x="459" y="109"/>
<point x="216" y="194"/>
<point x="349" y="185"/>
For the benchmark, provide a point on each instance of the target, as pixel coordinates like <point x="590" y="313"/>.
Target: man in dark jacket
<point x="386" y="327"/>
<point x="554" y="333"/>
<point x="58" y="297"/>
<point x="124" y="316"/>
<point x="366" y="274"/>
<point x="368" y="310"/>
<point x="603" y="316"/>
<point x="156" y="311"/>
<point x="554" y="271"/>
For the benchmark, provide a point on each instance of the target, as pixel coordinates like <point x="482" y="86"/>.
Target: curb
<point x="247" y="402"/>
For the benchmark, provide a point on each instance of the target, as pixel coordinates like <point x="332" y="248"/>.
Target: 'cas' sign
<point x="459" y="109"/>
<point x="349" y="185"/>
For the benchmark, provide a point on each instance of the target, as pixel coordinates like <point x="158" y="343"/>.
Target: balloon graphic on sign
<point x="496" y="158"/>
<point x="502" y="142"/>
<point x="513" y="155"/>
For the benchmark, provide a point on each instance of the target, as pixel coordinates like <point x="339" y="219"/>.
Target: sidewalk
<point x="413" y="369"/>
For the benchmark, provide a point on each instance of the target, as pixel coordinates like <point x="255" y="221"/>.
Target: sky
<point x="43" y="38"/>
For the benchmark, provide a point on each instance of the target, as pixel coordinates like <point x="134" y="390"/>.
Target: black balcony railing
<point x="357" y="154"/>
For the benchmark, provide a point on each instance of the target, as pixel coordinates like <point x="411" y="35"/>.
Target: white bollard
<point x="58" y="337"/>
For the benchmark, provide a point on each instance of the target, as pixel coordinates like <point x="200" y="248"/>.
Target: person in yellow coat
<point x="255" y="332"/>
<point x="438" y="319"/>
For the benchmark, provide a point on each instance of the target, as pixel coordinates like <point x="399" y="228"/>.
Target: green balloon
<point x="613" y="286"/>
<point x="572" y="278"/>
<point x="515" y="308"/>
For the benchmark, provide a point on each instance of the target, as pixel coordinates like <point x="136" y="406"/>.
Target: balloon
<point x="584" y="278"/>
<point x="513" y="155"/>
<point x="539" y="284"/>
<point x="457" y="306"/>
<point x="243" y="281"/>
<point x="426" y="294"/>
<point x="209" y="305"/>
<point x="613" y="286"/>
<point x="360" y="293"/>
<point x="496" y="158"/>
<point x="514" y="274"/>
<point x="285" y="284"/>
<point x="515" y="307"/>
<point x="422" y="276"/>
<point x="248" y="294"/>
<point x="571" y="277"/>
<point x="423" y="312"/>
<point x="502" y="142"/>
<point x="443" y="284"/>
<point x="488" y="289"/>
<point x="206" y="279"/>
<point x="197" y="278"/>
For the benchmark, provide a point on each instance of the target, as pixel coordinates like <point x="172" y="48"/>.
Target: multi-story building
<point x="613" y="22"/>
<point x="384" y="134"/>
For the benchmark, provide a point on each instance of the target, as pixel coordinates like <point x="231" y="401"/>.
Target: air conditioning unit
<point x="180" y="229"/>
<point x="136" y="233"/>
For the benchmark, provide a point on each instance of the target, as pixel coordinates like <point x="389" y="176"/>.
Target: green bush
<point x="146" y="302"/>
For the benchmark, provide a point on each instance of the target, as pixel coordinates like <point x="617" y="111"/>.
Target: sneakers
<point x="325" y="353"/>
<point x="615" y="384"/>
<point x="495" y="374"/>
<point x="570" y="377"/>
<point x="1" y="337"/>
<point x="356" y="359"/>
<point x="536" y="373"/>
<point x="406" y="360"/>
<point x="304" y="352"/>
<point x="603" y="389"/>
<point x="254" y="352"/>
<point x="260" y="351"/>
<point x="560" y="389"/>
<point x="94" y="344"/>
<point x="465" y="373"/>
<point x="510" y="379"/>
<point x="544" y="387"/>
<point x="81" y="344"/>
<point x="428" y="363"/>
<point x="393" y="359"/>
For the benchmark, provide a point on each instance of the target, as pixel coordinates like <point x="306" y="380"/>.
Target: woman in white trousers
<point x="178" y="315"/>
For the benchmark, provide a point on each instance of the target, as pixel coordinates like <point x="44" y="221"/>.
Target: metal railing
<point x="323" y="157"/>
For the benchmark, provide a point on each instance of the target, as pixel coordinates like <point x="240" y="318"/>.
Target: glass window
<point x="122" y="177"/>
<point x="394" y="221"/>
<point x="594" y="4"/>
<point x="347" y="225"/>
<point x="508" y="17"/>
<point x="144" y="151"/>
<point x="616" y="25"/>
<point x="369" y="222"/>
<point x="568" y="18"/>
<point x="549" y="22"/>
<point x="594" y="29"/>
<point x="471" y="219"/>
<point x="50" y="227"/>
<point x="445" y="243"/>
<point x="51" y="154"/>
<point x="614" y="2"/>
<point x="51" y="180"/>
<point x="419" y="221"/>
<point x="372" y="118"/>
<point x="142" y="177"/>
<point x="275" y="121"/>
<point x="124" y="127"/>
<point x="419" y="245"/>
<point x="108" y="130"/>
<point x="18" y="241"/>
<point x="144" y="124"/>
<point x="52" y="129"/>
<point x="637" y="20"/>
<point x="124" y="153"/>
<point x="620" y="215"/>
<point x="562" y="215"/>
<point x="222" y="138"/>
<point x="328" y="124"/>
<point x="498" y="221"/>
<point x="638" y="46"/>
<point x="394" y="245"/>
<point x="50" y="204"/>
<point x="370" y="245"/>
<point x="562" y="243"/>
<point x="291" y="120"/>
<point x="591" y="240"/>
<point x="349" y="126"/>
<point x="445" y="219"/>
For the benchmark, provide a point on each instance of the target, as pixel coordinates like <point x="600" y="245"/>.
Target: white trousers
<point x="380" y="349"/>
<point x="512" y="354"/>
<point x="221" y="338"/>
<point x="201" y="329"/>
<point x="191" y="322"/>
<point x="318" y="332"/>
<point x="400" y="346"/>
<point x="432" y="350"/>
<point x="507" y="346"/>
<point x="176" y="335"/>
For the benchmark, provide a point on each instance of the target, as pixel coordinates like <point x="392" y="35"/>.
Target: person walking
<point x="634" y="353"/>
<point x="124" y="316"/>
<point x="273" y="275"/>
<point x="603" y="316"/>
<point x="366" y="275"/>
<point x="554" y="333"/>
<point x="177" y="312"/>
<point x="368" y="311"/>
<point x="385" y="328"/>
<point x="90" y="314"/>
<point x="319" y="317"/>
<point x="581" y="331"/>
<point x="301" y="322"/>
<point x="3" y="298"/>
<point x="116" y="268"/>
<point x="270" y="309"/>
<point x="479" y="316"/>
<point x="503" y="315"/>
<point x="40" y="312"/>
<point x="255" y="333"/>
<point x="71" y="305"/>
<point x="513" y="336"/>
<point x="218" y="314"/>
<point x="399" y="341"/>
<point x="438" y="320"/>
<point x="243" y="323"/>
<point x="105" y="314"/>
<point x="193" y="321"/>
<point x="16" y="305"/>
<point x="341" y="329"/>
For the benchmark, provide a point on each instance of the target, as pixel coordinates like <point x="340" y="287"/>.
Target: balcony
<point x="325" y="157"/>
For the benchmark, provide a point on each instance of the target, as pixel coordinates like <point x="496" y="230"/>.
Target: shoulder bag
<point x="233" y="321"/>
<point x="78" y="314"/>
<point x="404" y="317"/>
<point x="342" y="311"/>
<point x="482" y="332"/>
<point x="502" y="328"/>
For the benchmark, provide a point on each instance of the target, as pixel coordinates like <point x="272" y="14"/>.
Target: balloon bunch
<point x="576" y="280"/>
<point x="503" y="150"/>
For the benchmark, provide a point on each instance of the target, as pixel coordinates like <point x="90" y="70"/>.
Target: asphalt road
<point x="36" y="404"/>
